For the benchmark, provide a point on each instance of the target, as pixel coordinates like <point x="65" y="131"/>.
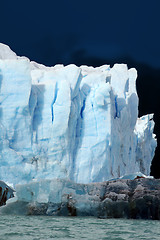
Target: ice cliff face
<point x="79" y="123"/>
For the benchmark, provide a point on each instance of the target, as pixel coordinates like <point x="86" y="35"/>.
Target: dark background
<point x="93" y="33"/>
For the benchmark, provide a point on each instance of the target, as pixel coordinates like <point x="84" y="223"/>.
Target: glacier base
<point x="122" y="198"/>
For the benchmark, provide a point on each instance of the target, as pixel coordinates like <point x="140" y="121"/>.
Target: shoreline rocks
<point x="122" y="198"/>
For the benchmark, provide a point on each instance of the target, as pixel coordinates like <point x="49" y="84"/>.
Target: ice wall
<point x="79" y="123"/>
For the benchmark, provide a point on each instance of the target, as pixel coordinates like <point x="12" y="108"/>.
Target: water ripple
<point x="42" y="227"/>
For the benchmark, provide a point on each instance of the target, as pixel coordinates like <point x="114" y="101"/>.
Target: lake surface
<point x="42" y="227"/>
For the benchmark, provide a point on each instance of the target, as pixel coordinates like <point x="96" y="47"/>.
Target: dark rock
<point x="6" y="192"/>
<point x="122" y="198"/>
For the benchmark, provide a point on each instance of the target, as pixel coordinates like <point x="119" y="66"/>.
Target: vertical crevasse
<point x="79" y="123"/>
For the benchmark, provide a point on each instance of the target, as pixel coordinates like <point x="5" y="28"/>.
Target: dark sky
<point x="51" y="32"/>
<point x="94" y="33"/>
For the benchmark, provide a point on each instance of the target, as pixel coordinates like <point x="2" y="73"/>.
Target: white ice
<point x="77" y="123"/>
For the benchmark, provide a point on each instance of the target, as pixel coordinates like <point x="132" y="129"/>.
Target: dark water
<point x="37" y="227"/>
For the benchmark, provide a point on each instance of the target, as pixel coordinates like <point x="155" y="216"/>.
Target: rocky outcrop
<point x="6" y="193"/>
<point x="137" y="199"/>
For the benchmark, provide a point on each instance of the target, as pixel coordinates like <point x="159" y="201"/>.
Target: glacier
<point x="68" y="122"/>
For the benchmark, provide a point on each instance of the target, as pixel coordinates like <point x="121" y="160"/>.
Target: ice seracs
<point x="78" y="123"/>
